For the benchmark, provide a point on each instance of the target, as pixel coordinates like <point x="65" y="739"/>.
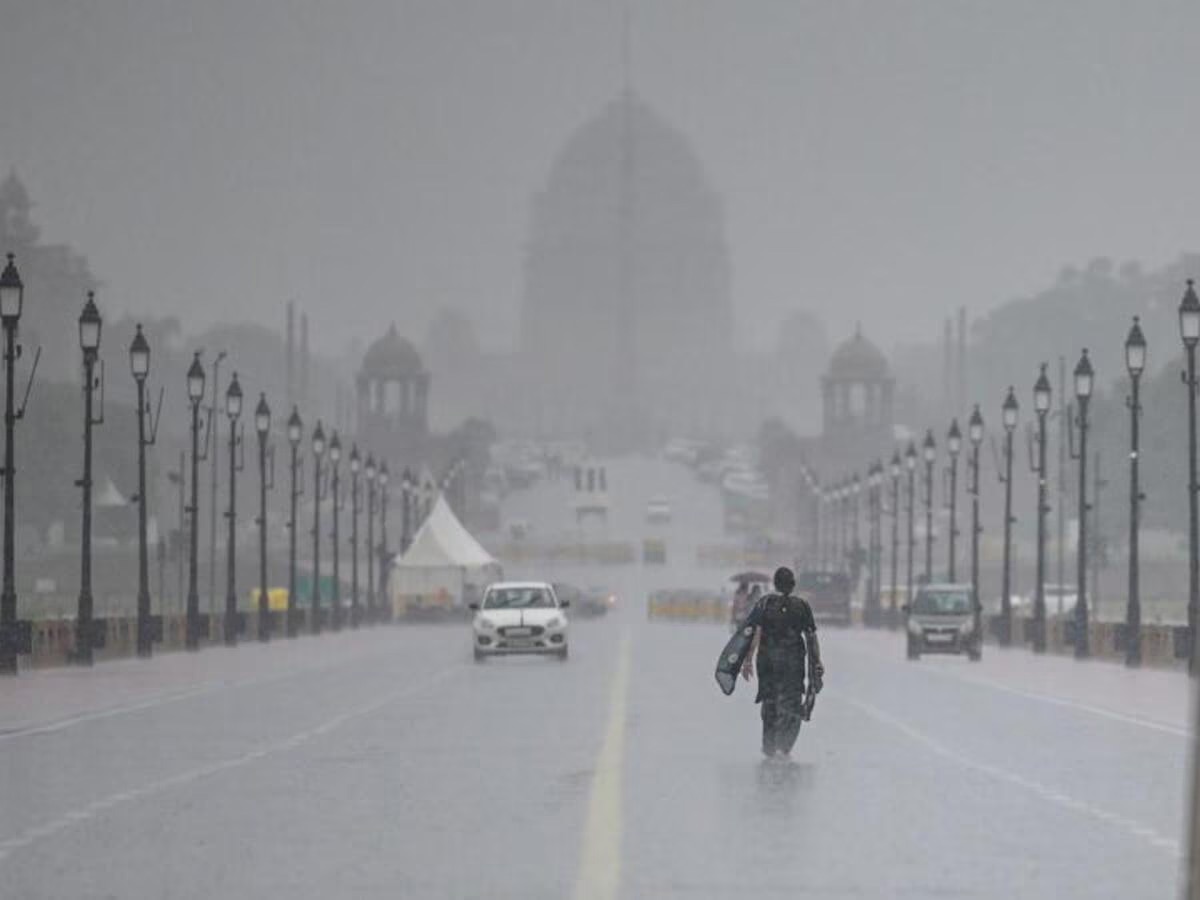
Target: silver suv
<point x="941" y="619"/>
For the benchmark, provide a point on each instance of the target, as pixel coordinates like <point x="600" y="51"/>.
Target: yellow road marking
<point x="599" y="875"/>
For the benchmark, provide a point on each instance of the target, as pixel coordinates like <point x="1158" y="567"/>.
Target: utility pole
<point x="1098" y="486"/>
<point x="1061" y="486"/>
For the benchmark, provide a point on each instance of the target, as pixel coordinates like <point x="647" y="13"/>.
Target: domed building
<point x="393" y="397"/>
<point x="857" y="395"/>
<point x="626" y="324"/>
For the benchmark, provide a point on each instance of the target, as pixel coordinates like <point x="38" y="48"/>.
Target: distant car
<point x="515" y="617"/>
<point x="658" y="511"/>
<point x="828" y="593"/>
<point x="587" y="602"/>
<point x="941" y="619"/>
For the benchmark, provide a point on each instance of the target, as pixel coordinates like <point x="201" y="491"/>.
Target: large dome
<point x="393" y="358"/>
<point x="627" y="270"/>
<point x="857" y="359"/>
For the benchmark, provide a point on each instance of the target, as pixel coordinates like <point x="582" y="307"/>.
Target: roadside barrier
<point x="1165" y="646"/>
<point x="684" y="605"/>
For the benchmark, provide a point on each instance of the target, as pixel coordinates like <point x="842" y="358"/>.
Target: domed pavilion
<point x="857" y="394"/>
<point x="393" y="395"/>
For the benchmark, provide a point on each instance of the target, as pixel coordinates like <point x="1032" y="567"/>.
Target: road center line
<point x="1042" y="792"/>
<point x="86" y="813"/>
<point x="599" y="875"/>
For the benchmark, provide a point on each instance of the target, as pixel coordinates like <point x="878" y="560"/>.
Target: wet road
<point x="385" y="763"/>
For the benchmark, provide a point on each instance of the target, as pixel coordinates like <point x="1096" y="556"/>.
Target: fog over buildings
<point x="881" y="163"/>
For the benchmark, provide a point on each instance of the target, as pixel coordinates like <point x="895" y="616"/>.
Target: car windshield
<point x="942" y="603"/>
<point x="518" y="598"/>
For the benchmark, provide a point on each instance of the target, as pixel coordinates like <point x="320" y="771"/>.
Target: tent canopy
<point x="442" y="542"/>
<point x="441" y="562"/>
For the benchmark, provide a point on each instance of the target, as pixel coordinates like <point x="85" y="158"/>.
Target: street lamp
<point x="385" y="605"/>
<point x="1008" y="417"/>
<point x="874" y="505"/>
<point x="975" y="435"/>
<point x="89" y="342"/>
<point x="262" y="425"/>
<point x="139" y="366"/>
<point x="355" y="612"/>
<point x="929" y="453"/>
<point x="14" y="635"/>
<point x="895" y="473"/>
<point x="233" y="409"/>
<point x="1084" y="379"/>
<point x="370" y="472"/>
<point x="910" y="463"/>
<point x="1041" y="406"/>
<point x="1135" y="363"/>
<point x="855" y="544"/>
<point x="1189" y="331"/>
<point x="295" y="431"/>
<point x="953" y="446"/>
<point x="195" y="388"/>
<point x="318" y="452"/>
<point x="335" y="459"/>
<point x="407" y="488"/>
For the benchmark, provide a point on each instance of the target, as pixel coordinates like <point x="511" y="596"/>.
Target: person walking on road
<point x="787" y="653"/>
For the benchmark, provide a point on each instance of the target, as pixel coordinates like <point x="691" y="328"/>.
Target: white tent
<point x="443" y="559"/>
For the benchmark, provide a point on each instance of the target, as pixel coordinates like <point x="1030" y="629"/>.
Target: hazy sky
<point x="881" y="161"/>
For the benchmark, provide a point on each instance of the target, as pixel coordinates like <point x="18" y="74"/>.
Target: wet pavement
<point x="385" y="763"/>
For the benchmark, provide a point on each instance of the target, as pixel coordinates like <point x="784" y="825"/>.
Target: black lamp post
<point x="1008" y="417"/>
<point x="233" y="409"/>
<point x="139" y="365"/>
<point x="335" y="474"/>
<point x="89" y="341"/>
<point x="14" y="635"/>
<point x="875" y="553"/>
<point x="846" y="551"/>
<point x="1084" y="378"/>
<point x="1041" y="406"/>
<point x="1189" y="331"/>
<point x="910" y="463"/>
<point x="953" y="446"/>
<point x="856" y="553"/>
<point x="355" y="611"/>
<point x="262" y="425"/>
<point x="407" y="488"/>
<point x="895" y="468"/>
<point x="295" y="431"/>
<point x="929" y="453"/>
<point x="195" y="387"/>
<point x="384" y="557"/>
<point x="318" y="452"/>
<point x="975" y="434"/>
<point x="1135" y="363"/>
<point x="370" y="472"/>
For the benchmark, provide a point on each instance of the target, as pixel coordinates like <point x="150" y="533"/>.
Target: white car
<point x="519" y="617"/>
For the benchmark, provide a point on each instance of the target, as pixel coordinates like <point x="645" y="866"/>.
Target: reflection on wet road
<point x="385" y="763"/>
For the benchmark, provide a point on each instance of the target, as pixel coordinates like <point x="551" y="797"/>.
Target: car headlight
<point x="967" y="627"/>
<point x="914" y="627"/>
<point x="485" y="624"/>
<point x="556" y="622"/>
